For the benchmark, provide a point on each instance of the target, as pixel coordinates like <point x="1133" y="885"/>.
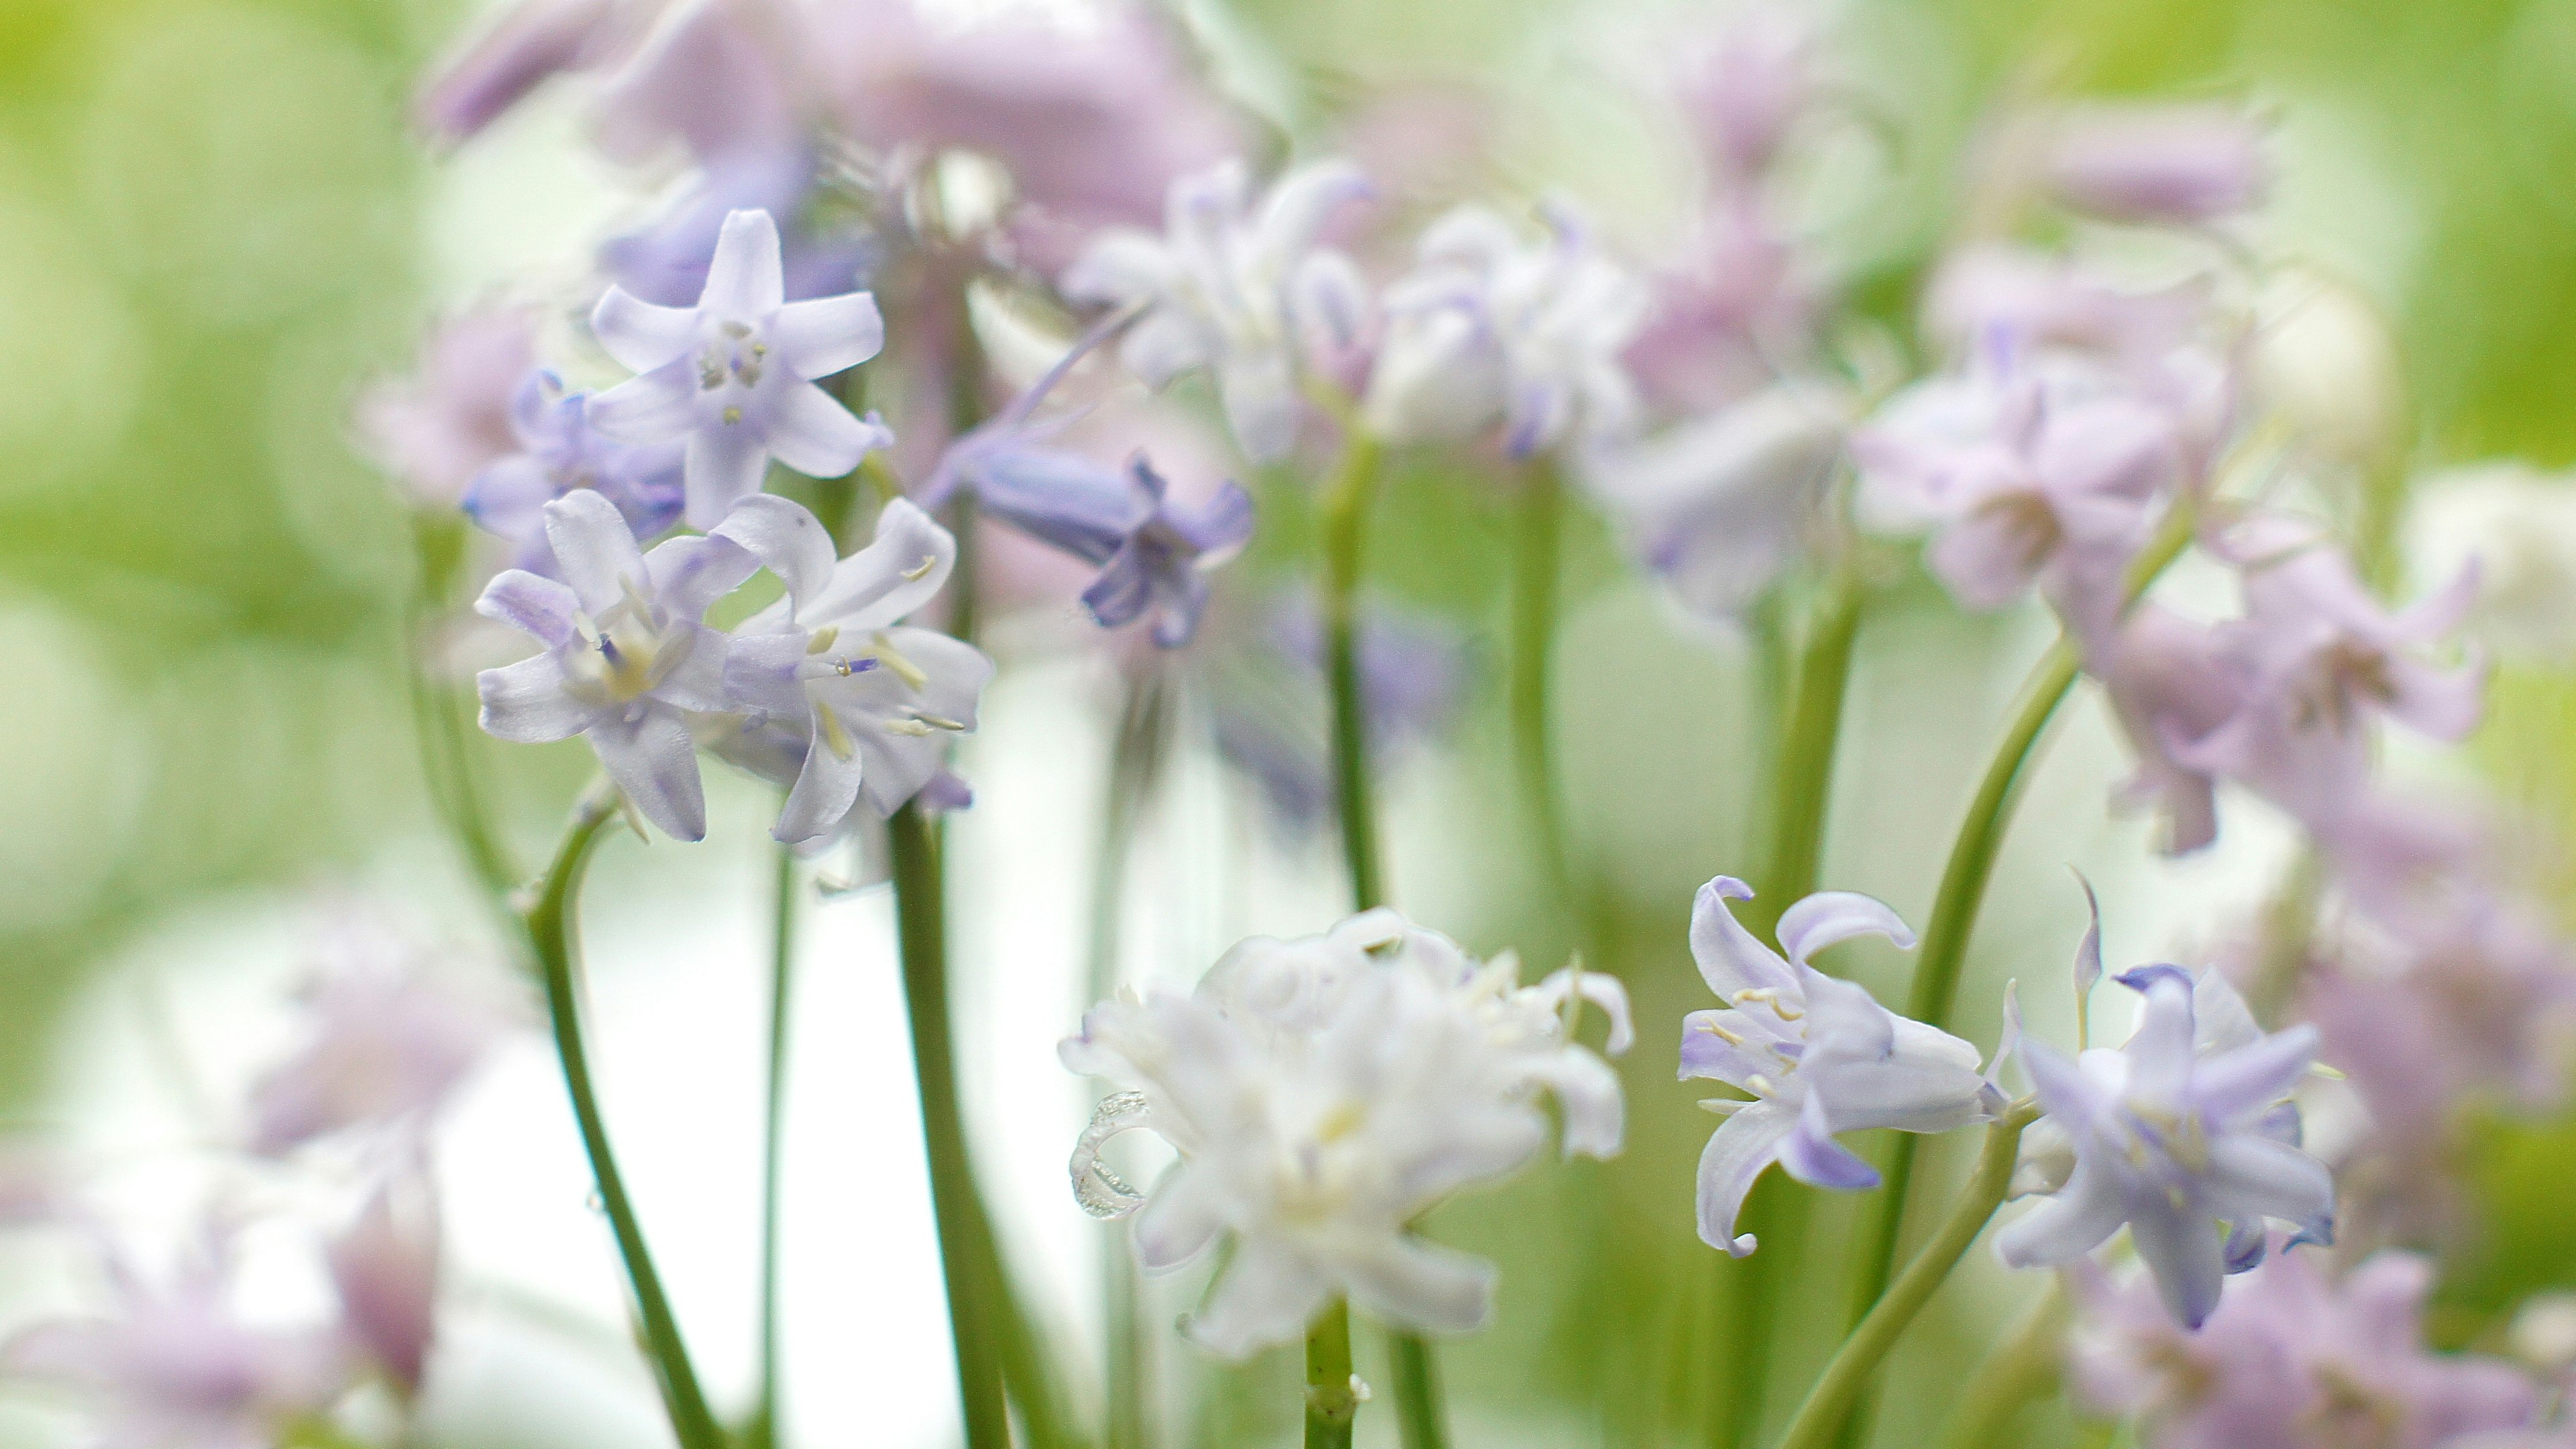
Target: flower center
<point x="623" y="654"/>
<point x="731" y="354"/>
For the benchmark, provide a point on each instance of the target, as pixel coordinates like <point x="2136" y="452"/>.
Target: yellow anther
<point x="835" y="736"/>
<point x="732" y="416"/>
<point x="938" y="723"/>
<point x="823" y="639"/>
<point x="904" y="669"/>
<point x="1722" y="1034"/>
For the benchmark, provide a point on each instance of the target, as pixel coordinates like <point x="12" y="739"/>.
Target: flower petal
<point x="1268" y="1295"/>
<point x="649" y="754"/>
<point x="2067" y="1224"/>
<point x="1409" y="1283"/>
<point x="532" y="605"/>
<point x="825" y="790"/>
<point x="809" y="431"/>
<point x="2182" y="1249"/>
<point x="1736" y="1154"/>
<point x="1180" y="1219"/>
<point x="641" y="336"/>
<point x="1730" y="959"/>
<point x="1810" y="1154"/>
<point x="744" y="281"/>
<point x="725" y="465"/>
<point x="903" y="568"/>
<point x="828" y="334"/>
<point x="528" y="703"/>
<point x="649" y="408"/>
<point x="595" y="550"/>
<point x="2233" y="1085"/>
<point x="1830" y="917"/>
<point x="690" y="574"/>
<point x="789" y="540"/>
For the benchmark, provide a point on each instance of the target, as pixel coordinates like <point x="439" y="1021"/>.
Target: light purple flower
<point x="2170" y="686"/>
<point x="2180" y="1135"/>
<point x="874" y="700"/>
<point x="626" y="657"/>
<point x="1160" y="569"/>
<point x="1746" y="89"/>
<point x="385" y="1266"/>
<point x="1820" y="1055"/>
<point x="2320" y="662"/>
<point x="735" y="374"/>
<point x="531" y="43"/>
<point x="559" y="450"/>
<point x="438" y="428"/>
<point x="1721" y="506"/>
<point x="1488" y="331"/>
<point x="2173" y="164"/>
<point x="2290" y="1358"/>
<point x="1239" y="290"/>
<point x="1741" y="302"/>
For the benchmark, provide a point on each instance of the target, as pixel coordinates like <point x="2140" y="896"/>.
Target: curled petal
<point x="827" y="787"/>
<point x="1736" y="1154"/>
<point x="1729" y="958"/>
<point x="1830" y="917"/>
<point x="1810" y="1154"/>
<point x="530" y="702"/>
<point x="790" y="541"/>
<point x="901" y="569"/>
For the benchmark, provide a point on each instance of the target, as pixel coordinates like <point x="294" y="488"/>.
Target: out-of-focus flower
<point x="384" y="1266"/>
<point x="388" y="1043"/>
<point x="2169" y="685"/>
<point x="1239" y="293"/>
<point x="1488" y="330"/>
<point x="174" y="1363"/>
<point x="1746" y="89"/>
<point x="2325" y="362"/>
<point x="559" y="450"/>
<point x="2175" y="1135"/>
<point x="530" y="44"/>
<point x="875" y="699"/>
<point x="438" y="428"/>
<point x="626" y="657"/>
<point x="1740" y="303"/>
<point x="2518" y="526"/>
<point x="1161" y="566"/>
<point x="1721" y="506"/>
<point x="1323" y="1094"/>
<point x="2176" y="165"/>
<point x="2320" y="662"/>
<point x="2291" y="1359"/>
<point x="1819" y="1055"/>
<point x="735" y="374"/>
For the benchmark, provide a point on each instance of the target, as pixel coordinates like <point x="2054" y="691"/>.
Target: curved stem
<point x="921" y="926"/>
<point x="2021" y="1369"/>
<point x="1839" y="1388"/>
<point x="763" y="1433"/>
<point x="549" y="922"/>
<point x="1331" y="1403"/>
<point x="1535" y="567"/>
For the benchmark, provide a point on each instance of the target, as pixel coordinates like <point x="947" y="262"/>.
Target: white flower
<point x="1323" y="1093"/>
<point x="1235" y="292"/>
<point x="1819" y="1055"/>
<point x="734" y="374"/>
<point x="873" y="700"/>
<point x="1488" y="330"/>
<point x="2518" y="525"/>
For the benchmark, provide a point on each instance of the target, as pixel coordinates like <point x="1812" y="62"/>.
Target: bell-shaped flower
<point x="734" y="375"/>
<point x="561" y="449"/>
<point x="875" y="699"/>
<point x="2184" y="1135"/>
<point x="384" y="1266"/>
<point x="1323" y="1094"/>
<point x="2320" y="662"/>
<point x="626" y="659"/>
<point x="1241" y="294"/>
<point x="1490" y="330"/>
<point x="1819" y="1055"/>
<point x="2169" y="686"/>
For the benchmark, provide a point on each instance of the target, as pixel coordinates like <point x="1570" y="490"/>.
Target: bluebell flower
<point x="2183" y="1135"/>
<point x="1819" y="1055"/>
<point x="734" y="375"/>
<point x="627" y="658"/>
<point x="560" y="449"/>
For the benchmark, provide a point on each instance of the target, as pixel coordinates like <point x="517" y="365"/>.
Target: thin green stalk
<point x="2022" y="1369"/>
<point x="763" y="1430"/>
<point x="1345" y="524"/>
<point x="1331" y="1403"/>
<point x="974" y="1312"/>
<point x="1417" y="1391"/>
<point x="446" y="749"/>
<point x="1820" y="1419"/>
<point x="551" y="934"/>
<point x="1535" y="566"/>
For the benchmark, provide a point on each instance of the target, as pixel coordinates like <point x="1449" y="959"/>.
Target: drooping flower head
<point x="1819" y="1055"/>
<point x="874" y="699"/>
<point x="734" y="375"/>
<point x="561" y="449"/>
<point x="1323" y="1094"/>
<point x="2184" y="1135"/>
<point x="1243" y="292"/>
<point x="627" y="656"/>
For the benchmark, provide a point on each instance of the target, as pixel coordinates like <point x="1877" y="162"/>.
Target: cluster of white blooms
<point x="1323" y="1094"/>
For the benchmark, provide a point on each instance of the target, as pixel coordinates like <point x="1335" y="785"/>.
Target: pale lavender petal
<point x="1268" y="1295"/>
<point x="760" y="671"/>
<point x="697" y="681"/>
<point x="824" y="791"/>
<point x="1828" y="918"/>
<point x="1730" y="959"/>
<point x="903" y="568"/>
<point x="2247" y="1241"/>
<point x="2181" y="1248"/>
<point x="2253" y="1176"/>
<point x="787" y="539"/>
<point x="1408" y="1283"/>
<point x="690" y="574"/>
<point x="2073" y="1221"/>
<point x="648" y="752"/>
<point x="595" y="550"/>
<point x="1180" y="1220"/>
<point x="2161" y="1052"/>
<point x="827" y="335"/>
<point x="1303" y="199"/>
<point x="808" y="430"/>
<point x="641" y="336"/>
<point x="744" y="282"/>
<point x="1736" y="1154"/>
<point x="649" y="408"/>
<point x="2242" y="1083"/>
<point x="1810" y="1154"/>
<point x="532" y="605"/>
<point x="2069" y="1095"/>
<point x="725" y="465"/>
<point x="1259" y="391"/>
<point x="1122" y="591"/>
<point x="530" y="702"/>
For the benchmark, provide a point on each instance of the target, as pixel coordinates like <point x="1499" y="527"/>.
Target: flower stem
<point x="1839" y="1388"/>
<point x="1417" y="1392"/>
<point x="2021" y="1369"/>
<point x="1331" y="1403"/>
<point x="1535" y="568"/>
<point x="921" y="926"/>
<point x="551" y="934"/>
<point x="763" y="1431"/>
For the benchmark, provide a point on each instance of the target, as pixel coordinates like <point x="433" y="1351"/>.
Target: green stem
<point x="921" y="926"/>
<point x="1535" y="568"/>
<point x="551" y="934"/>
<point x="2022" y="1369"/>
<point x="763" y="1432"/>
<point x="446" y="749"/>
<point x="1820" y="1419"/>
<point x="1331" y="1403"/>
<point x="1417" y="1392"/>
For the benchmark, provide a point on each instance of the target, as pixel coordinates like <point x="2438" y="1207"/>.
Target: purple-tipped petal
<point x="538" y="607"/>
<point x="1810" y="1154"/>
<point x="1730" y="959"/>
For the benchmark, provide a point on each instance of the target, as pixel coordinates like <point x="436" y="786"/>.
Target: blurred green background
<point x="213" y="225"/>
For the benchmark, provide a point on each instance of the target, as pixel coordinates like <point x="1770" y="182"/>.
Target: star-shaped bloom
<point x="1323" y="1094"/>
<point x="2183" y="1135"/>
<point x="1489" y="330"/>
<point x="1239" y="293"/>
<point x="1819" y="1055"/>
<point x="626" y="659"/>
<point x="561" y="449"/>
<point x="875" y="700"/>
<point x="734" y="375"/>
